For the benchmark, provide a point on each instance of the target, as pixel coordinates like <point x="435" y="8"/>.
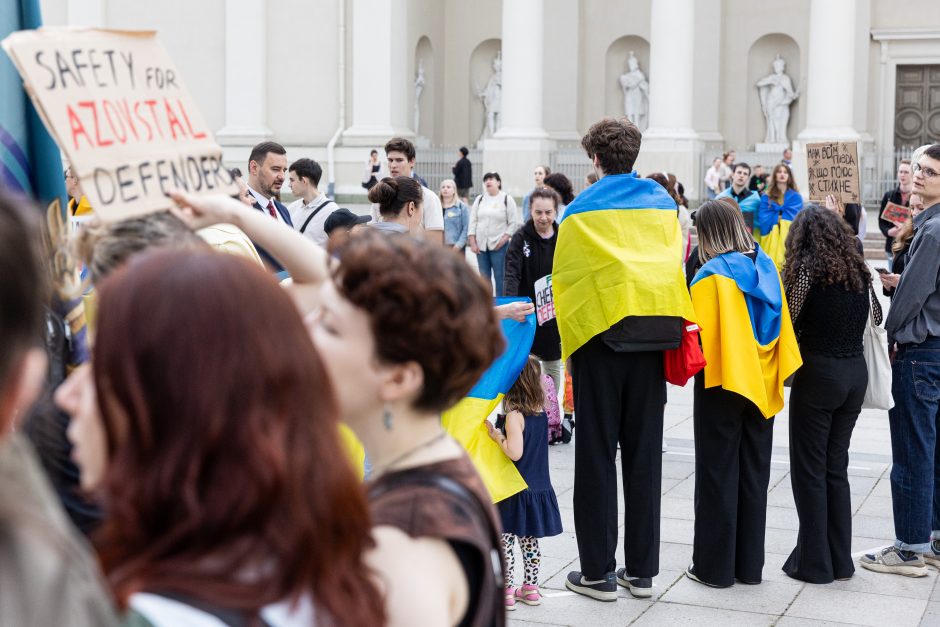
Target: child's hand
<point x="493" y="432"/>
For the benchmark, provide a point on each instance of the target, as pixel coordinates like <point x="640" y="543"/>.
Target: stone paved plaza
<point x="867" y="599"/>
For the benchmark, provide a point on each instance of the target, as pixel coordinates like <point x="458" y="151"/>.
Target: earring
<point x="387" y="419"/>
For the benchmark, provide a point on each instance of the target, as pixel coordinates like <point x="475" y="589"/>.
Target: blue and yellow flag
<point x="464" y="421"/>
<point x="773" y="223"/>
<point x="746" y="333"/>
<point x="618" y="254"/>
<point x="29" y="158"/>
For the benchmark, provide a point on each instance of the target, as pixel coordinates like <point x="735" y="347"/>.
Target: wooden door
<point x="917" y="106"/>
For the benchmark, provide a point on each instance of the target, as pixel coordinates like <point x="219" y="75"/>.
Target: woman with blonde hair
<point x="750" y="349"/>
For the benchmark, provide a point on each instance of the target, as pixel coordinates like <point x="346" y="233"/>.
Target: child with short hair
<point x="532" y="513"/>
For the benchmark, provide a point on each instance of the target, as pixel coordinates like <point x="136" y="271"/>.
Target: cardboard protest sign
<point x="833" y="169"/>
<point x="898" y="214"/>
<point x="544" y="300"/>
<point x="116" y="105"/>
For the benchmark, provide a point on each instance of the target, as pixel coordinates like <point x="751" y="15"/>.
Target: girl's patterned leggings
<point x="531" y="559"/>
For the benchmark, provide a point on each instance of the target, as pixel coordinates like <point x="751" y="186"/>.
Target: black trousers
<point x="733" y="444"/>
<point x="618" y="398"/>
<point x="824" y="406"/>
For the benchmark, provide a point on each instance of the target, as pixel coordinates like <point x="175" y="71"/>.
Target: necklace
<point x="378" y="470"/>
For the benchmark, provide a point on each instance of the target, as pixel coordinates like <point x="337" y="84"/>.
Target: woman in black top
<point x="828" y="287"/>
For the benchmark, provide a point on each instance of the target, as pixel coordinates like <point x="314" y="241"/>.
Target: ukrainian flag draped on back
<point x="746" y="333"/>
<point x="29" y="158"/>
<point x="465" y="420"/>
<point x="618" y="255"/>
<point x="773" y="223"/>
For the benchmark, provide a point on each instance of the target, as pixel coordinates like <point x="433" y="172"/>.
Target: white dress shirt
<point x="299" y="212"/>
<point x="263" y="201"/>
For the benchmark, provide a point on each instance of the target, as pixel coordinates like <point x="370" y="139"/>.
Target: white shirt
<point x="432" y="214"/>
<point x="164" y="612"/>
<point x="491" y="217"/>
<point x="299" y="212"/>
<point x="263" y="201"/>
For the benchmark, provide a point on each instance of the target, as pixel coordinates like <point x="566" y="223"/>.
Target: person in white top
<point x="311" y="209"/>
<point x="493" y="220"/>
<point x="400" y="154"/>
<point x="713" y="178"/>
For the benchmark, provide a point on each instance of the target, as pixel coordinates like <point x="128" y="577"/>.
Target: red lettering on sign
<point x="77" y="128"/>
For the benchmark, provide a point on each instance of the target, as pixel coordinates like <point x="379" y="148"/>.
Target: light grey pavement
<point x="867" y="599"/>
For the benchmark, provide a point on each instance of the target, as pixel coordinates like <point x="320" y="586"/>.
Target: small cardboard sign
<point x="898" y="214"/>
<point x="833" y="169"/>
<point x="544" y="300"/>
<point x="117" y="106"/>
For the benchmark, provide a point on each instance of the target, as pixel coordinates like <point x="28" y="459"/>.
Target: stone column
<point x="246" y="88"/>
<point x="672" y="143"/>
<point x="520" y="143"/>
<point x="830" y="82"/>
<point x="371" y="76"/>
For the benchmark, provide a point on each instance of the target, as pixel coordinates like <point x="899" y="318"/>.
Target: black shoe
<point x="640" y="587"/>
<point x="690" y="573"/>
<point x="601" y="591"/>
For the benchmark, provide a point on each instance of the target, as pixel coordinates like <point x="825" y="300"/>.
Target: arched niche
<point x="616" y="64"/>
<point x="481" y="68"/>
<point x="424" y="57"/>
<point x="760" y="58"/>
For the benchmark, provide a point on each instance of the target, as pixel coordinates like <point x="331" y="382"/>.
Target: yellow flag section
<point x="773" y="223"/>
<point x="466" y="420"/>
<point x="618" y="255"/>
<point x="746" y="333"/>
<point x="354" y="450"/>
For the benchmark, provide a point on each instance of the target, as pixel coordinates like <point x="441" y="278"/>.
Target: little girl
<point x="532" y="513"/>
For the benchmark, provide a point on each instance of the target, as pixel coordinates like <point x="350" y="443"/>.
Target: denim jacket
<point x="456" y="221"/>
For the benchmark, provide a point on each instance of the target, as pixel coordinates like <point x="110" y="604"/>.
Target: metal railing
<point x="434" y="164"/>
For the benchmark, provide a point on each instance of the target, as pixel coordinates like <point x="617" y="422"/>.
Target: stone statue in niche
<point x="776" y="95"/>
<point x="491" y="97"/>
<point x="635" y="93"/>
<point x="419" y="89"/>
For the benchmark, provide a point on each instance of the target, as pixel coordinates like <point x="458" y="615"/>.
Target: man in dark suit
<point x="267" y="169"/>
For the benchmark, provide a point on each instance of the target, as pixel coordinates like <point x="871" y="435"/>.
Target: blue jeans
<point x="915" y="475"/>
<point x="493" y="261"/>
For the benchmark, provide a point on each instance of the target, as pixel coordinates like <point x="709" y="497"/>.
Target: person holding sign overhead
<point x="778" y="206"/>
<point x="529" y="273"/>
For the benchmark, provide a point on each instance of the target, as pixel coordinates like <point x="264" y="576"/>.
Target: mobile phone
<point x="882" y="271"/>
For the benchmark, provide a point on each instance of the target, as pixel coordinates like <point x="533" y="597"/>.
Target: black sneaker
<point x="605" y="590"/>
<point x="640" y="587"/>
<point x="690" y="573"/>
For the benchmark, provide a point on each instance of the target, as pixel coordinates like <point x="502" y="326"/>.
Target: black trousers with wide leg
<point x="733" y="445"/>
<point x="618" y="398"/>
<point x="825" y="402"/>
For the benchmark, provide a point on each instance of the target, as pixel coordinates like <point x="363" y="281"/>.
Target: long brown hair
<point x="823" y="245"/>
<point x="526" y="395"/>
<point x="227" y="480"/>
<point x="772" y="189"/>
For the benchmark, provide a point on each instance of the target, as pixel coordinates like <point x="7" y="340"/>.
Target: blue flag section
<point x="30" y="162"/>
<point x="465" y="420"/>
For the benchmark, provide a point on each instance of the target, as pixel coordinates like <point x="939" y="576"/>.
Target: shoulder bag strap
<point x="314" y="214"/>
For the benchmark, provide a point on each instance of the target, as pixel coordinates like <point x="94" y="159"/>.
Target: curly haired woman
<point x="826" y="279"/>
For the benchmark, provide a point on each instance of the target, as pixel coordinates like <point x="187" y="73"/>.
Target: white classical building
<point x="332" y="79"/>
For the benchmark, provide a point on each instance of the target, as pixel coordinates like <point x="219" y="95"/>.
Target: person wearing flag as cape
<point x="750" y="349"/>
<point x="620" y="300"/>
<point x="778" y="206"/>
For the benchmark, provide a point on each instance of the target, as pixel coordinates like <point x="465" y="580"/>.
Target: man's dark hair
<point x="402" y="145"/>
<point x="307" y="168"/>
<point x="23" y="283"/>
<point x="933" y="152"/>
<point x="615" y="143"/>
<point x="464" y="151"/>
<point x="741" y="164"/>
<point x="260" y="152"/>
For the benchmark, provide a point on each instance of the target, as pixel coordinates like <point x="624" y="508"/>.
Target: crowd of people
<point x="206" y="422"/>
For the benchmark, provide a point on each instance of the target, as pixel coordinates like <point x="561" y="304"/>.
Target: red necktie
<point x="271" y="209"/>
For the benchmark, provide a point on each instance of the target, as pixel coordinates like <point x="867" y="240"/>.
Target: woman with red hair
<point x="210" y="433"/>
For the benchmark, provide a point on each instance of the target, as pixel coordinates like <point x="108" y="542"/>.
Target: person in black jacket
<point x="463" y="175"/>
<point x="900" y="195"/>
<point x="529" y="259"/>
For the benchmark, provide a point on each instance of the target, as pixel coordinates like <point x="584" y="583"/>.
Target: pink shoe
<point x="510" y="598"/>
<point x="529" y="595"/>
